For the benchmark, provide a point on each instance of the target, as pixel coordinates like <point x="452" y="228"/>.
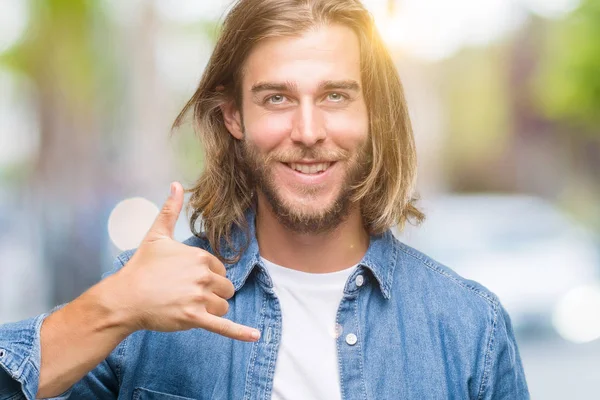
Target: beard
<point x="317" y="221"/>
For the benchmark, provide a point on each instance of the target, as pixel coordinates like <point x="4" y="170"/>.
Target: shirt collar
<point x="380" y="258"/>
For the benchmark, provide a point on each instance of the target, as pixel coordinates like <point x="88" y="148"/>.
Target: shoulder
<point x="465" y="315"/>
<point x="428" y="280"/>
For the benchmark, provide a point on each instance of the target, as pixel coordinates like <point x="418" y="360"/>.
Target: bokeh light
<point x="129" y="221"/>
<point x="577" y="314"/>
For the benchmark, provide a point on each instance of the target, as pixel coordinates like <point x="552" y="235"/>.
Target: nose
<point x="309" y="127"/>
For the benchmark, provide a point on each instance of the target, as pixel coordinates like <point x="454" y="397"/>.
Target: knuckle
<point x="224" y="327"/>
<point x="200" y="297"/>
<point x="166" y="210"/>
<point x="189" y="313"/>
<point x="204" y="278"/>
<point x="201" y="257"/>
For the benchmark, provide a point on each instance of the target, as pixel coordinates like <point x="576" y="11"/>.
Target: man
<point x="309" y="161"/>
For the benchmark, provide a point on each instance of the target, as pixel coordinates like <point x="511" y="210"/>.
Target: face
<point x="304" y="125"/>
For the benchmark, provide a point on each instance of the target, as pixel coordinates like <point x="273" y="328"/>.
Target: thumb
<point x="164" y="224"/>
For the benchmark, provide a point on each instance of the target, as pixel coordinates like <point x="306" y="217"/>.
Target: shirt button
<point x="2" y="353"/>
<point x="359" y="280"/>
<point x="351" y="339"/>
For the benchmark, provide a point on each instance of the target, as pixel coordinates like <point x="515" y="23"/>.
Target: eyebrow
<point x="287" y="86"/>
<point x="275" y="86"/>
<point x="345" y="84"/>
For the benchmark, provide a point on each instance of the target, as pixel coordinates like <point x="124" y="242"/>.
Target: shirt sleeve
<point x="20" y="361"/>
<point x="504" y="377"/>
<point x="20" y="358"/>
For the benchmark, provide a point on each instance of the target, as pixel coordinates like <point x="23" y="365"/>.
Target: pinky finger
<point x="230" y="329"/>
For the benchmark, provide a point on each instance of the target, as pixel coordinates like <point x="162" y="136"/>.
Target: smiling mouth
<point x="310" y="169"/>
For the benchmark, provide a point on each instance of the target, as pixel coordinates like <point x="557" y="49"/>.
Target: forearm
<point x="76" y="338"/>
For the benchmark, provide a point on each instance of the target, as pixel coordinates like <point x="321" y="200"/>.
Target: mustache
<point x="305" y="153"/>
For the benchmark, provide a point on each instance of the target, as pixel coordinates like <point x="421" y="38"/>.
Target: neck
<point x="338" y="249"/>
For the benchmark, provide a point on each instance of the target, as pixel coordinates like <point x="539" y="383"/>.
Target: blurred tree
<point x="568" y="84"/>
<point x="101" y="101"/>
<point x="68" y="62"/>
<point x="475" y="91"/>
<point x="567" y="92"/>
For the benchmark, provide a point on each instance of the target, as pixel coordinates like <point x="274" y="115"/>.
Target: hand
<point x="168" y="286"/>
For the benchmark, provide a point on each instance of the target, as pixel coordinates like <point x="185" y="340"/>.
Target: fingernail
<point x="172" y="189"/>
<point x="255" y="335"/>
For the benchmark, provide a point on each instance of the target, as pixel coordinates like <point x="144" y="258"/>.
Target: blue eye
<point x="276" y="99"/>
<point x="336" y="97"/>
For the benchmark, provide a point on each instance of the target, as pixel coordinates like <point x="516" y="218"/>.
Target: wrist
<point x="111" y="310"/>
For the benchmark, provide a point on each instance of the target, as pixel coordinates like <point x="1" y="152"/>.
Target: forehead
<point x="329" y="52"/>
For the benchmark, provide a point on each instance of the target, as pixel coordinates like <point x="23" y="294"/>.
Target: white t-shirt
<point x="306" y="366"/>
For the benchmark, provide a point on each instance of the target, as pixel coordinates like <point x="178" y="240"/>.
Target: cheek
<point x="267" y="130"/>
<point x="348" y="130"/>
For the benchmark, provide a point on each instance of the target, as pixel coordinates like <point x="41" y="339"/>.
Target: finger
<point x="217" y="306"/>
<point x="216" y="265"/>
<point x="230" y="329"/>
<point x="222" y="287"/>
<point x="164" y="224"/>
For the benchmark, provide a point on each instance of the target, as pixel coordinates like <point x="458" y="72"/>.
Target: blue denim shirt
<point x="423" y="332"/>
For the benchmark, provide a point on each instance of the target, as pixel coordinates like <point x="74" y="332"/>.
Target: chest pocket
<point x="146" y="394"/>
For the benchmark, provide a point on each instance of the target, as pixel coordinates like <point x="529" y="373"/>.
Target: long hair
<point x="224" y="192"/>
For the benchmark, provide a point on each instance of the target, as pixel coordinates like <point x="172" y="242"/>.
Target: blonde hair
<point x="224" y="192"/>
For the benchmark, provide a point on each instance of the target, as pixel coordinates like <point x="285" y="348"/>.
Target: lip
<point x="306" y="179"/>
<point x="311" y="162"/>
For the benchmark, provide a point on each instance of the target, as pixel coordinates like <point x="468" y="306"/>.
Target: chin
<point x="310" y="205"/>
<point x="312" y="209"/>
<point x="309" y="212"/>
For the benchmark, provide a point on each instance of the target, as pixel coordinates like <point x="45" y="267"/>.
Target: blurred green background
<point x="505" y="102"/>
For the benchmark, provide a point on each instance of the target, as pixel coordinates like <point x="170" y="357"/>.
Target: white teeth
<point x="310" y="169"/>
